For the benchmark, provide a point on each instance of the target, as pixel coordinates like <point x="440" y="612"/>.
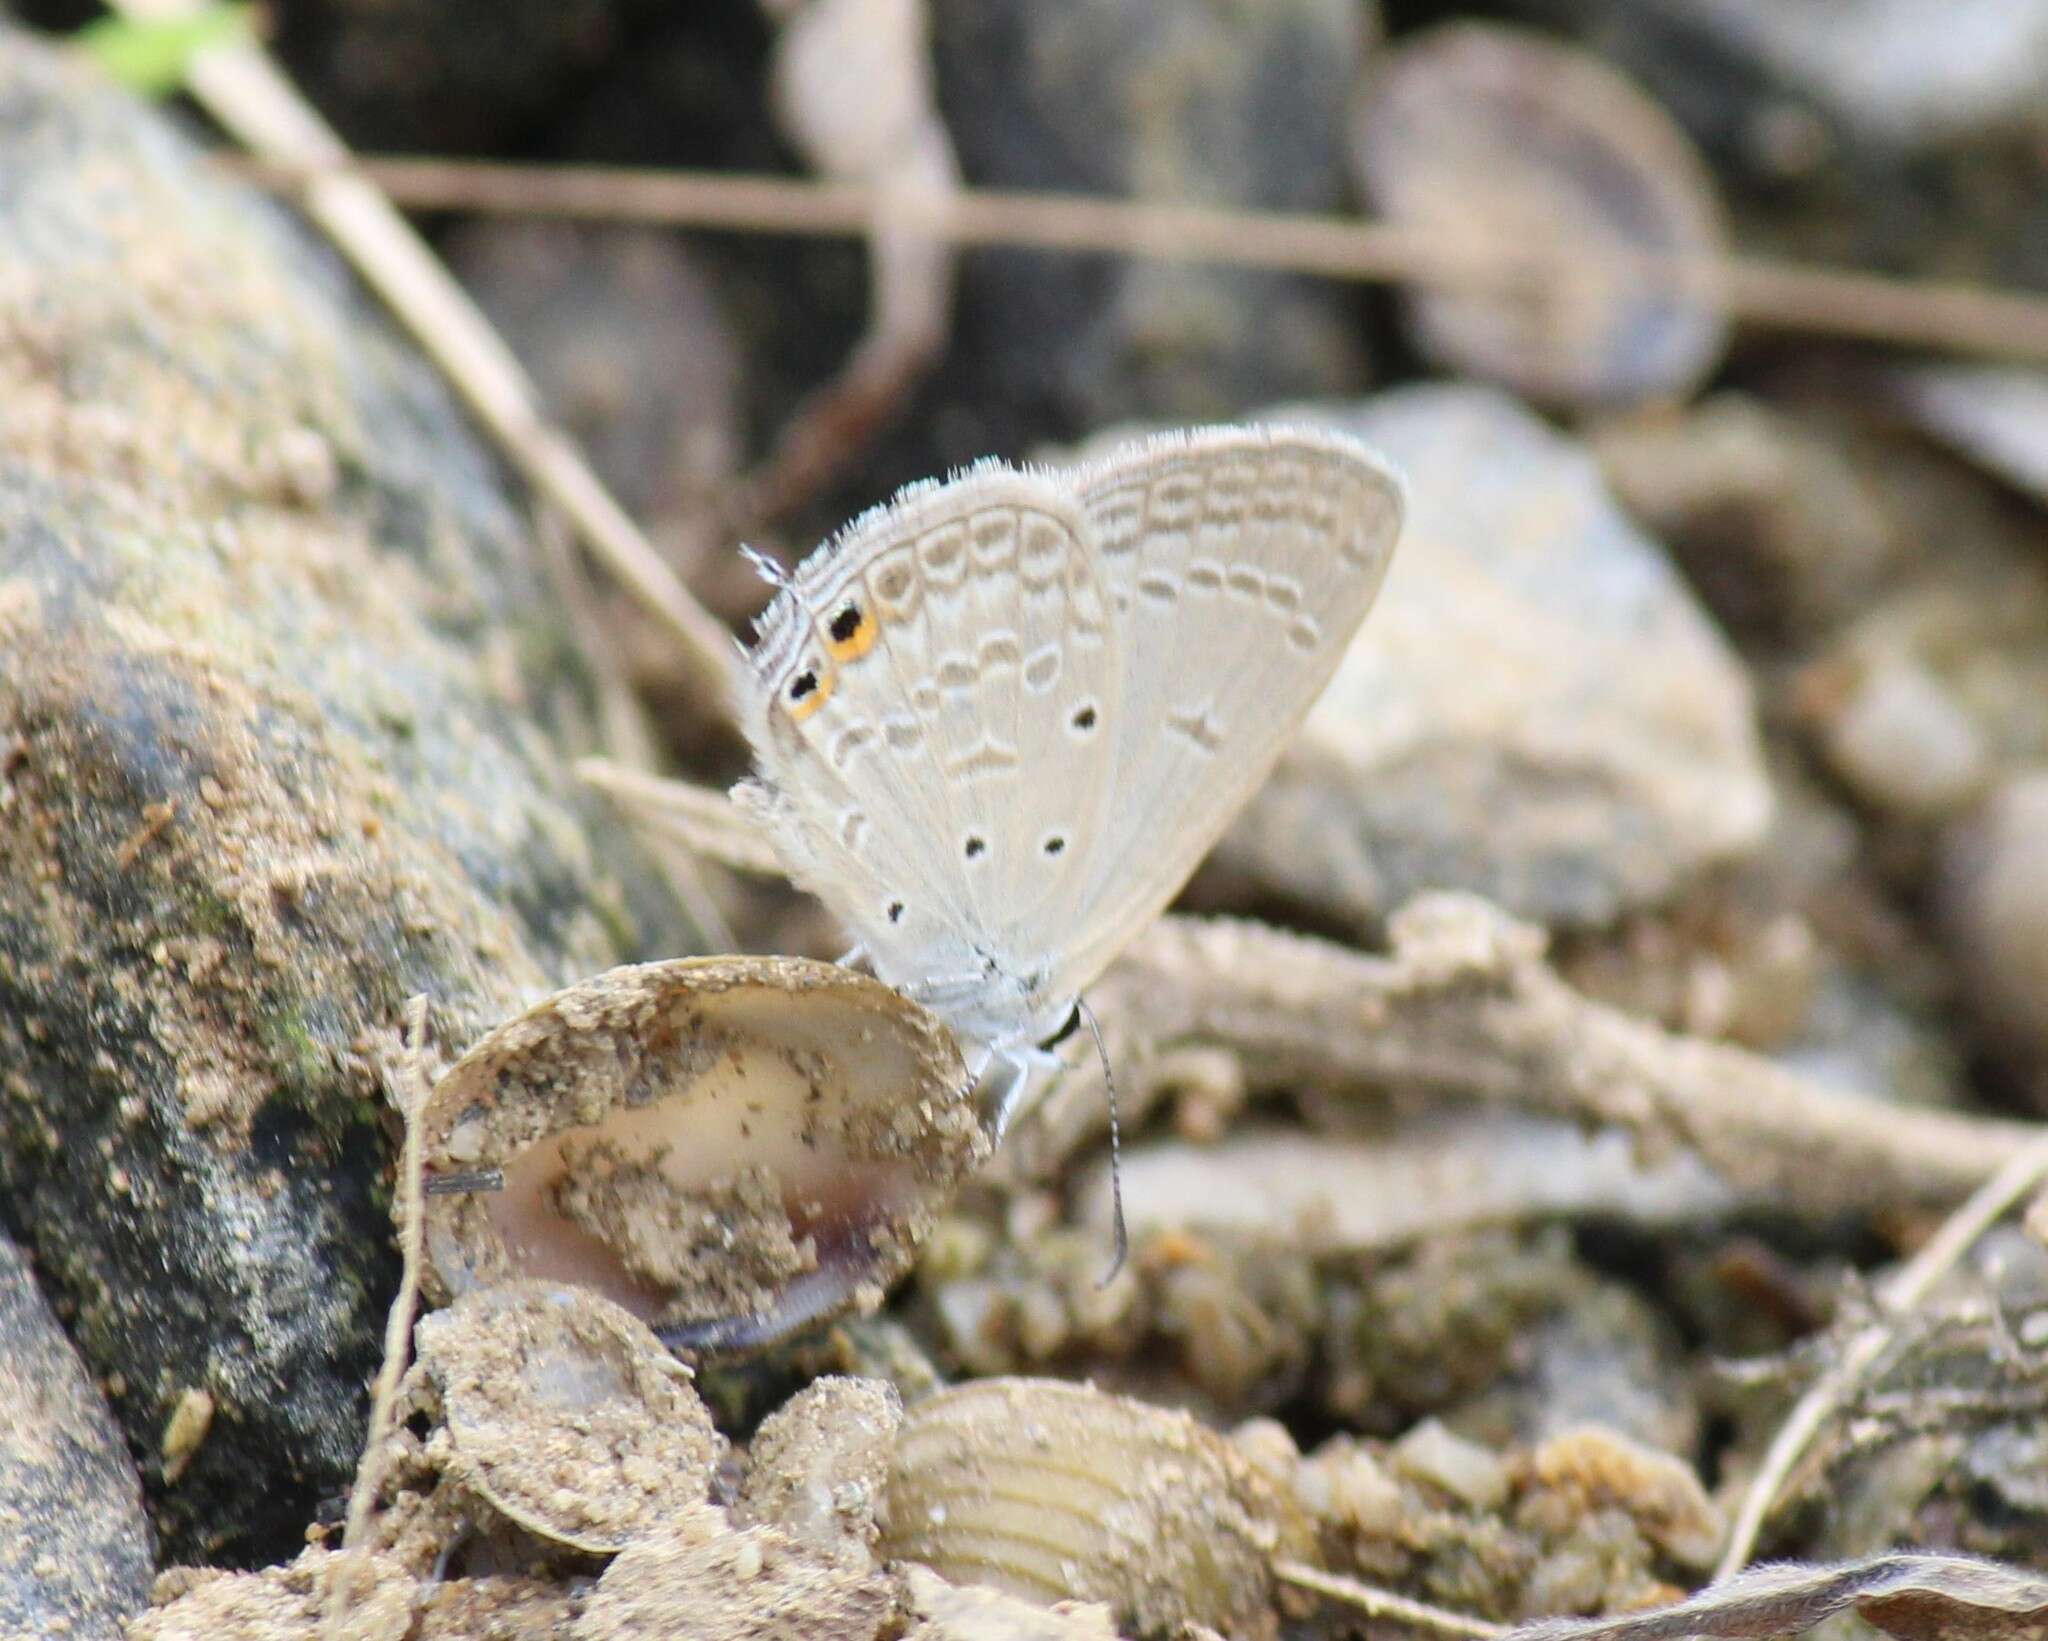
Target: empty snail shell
<point x="729" y="1148"/>
<point x="1519" y="141"/>
<point x="1058" y="1492"/>
<point x="564" y="1414"/>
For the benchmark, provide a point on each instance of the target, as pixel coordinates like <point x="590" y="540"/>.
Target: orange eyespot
<point x="851" y="633"/>
<point x="806" y="690"/>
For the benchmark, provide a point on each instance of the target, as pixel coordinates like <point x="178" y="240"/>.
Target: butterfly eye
<point x="851" y="633"/>
<point x="807" y="691"/>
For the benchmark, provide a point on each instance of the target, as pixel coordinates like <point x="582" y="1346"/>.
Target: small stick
<point x="1935" y="314"/>
<point x="1466" y="1009"/>
<point x="1908" y="1287"/>
<point x="1377" y="1603"/>
<point x="627" y="734"/>
<point x="409" y="1087"/>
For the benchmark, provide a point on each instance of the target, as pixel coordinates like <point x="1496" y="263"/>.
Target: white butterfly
<point x="998" y="721"/>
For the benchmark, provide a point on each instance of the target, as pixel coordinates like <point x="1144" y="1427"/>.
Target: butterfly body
<point x="998" y="720"/>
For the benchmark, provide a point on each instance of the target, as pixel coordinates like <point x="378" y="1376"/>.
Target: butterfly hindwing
<point x="1239" y="564"/>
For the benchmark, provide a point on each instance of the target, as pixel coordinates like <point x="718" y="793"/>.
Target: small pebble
<point x="1432" y="1453"/>
<point x="1904" y="746"/>
<point x="185" y="1431"/>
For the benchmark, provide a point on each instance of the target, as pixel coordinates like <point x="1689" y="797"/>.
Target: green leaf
<point x="151" y="56"/>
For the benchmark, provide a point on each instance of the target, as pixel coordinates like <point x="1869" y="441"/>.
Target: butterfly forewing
<point x="1239" y="563"/>
<point x="927" y="723"/>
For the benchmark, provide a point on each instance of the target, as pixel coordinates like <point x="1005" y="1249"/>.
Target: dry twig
<point x="1385" y="1604"/>
<point x="626" y="732"/>
<point x="1915" y="1597"/>
<point x="851" y="88"/>
<point x="409" y="1086"/>
<point x="701" y="819"/>
<point x="1920" y="313"/>
<point x="1466" y="1008"/>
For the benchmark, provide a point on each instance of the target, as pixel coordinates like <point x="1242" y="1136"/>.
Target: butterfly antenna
<point x="1116" y="1145"/>
<point x="765" y="567"/>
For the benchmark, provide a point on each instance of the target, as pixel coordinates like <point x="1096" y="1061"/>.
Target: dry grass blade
<point x="245" y="91"/>
<point x="627" y="733"/>
<point x="1914" y="1597"/>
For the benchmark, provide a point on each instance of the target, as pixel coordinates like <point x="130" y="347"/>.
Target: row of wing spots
<point x="1219" y="566"/>
<point x="880" y="751"/>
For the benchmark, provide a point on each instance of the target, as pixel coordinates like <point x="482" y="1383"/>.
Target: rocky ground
<point x="1639" y="953"/>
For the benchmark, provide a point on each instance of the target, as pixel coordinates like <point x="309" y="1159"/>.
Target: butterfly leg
<point x="1012" y="1082"/>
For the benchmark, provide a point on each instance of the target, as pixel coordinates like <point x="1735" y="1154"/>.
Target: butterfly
<point x="998" y="720"/>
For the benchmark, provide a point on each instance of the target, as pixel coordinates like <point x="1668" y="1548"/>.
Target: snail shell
<point x="1056" y="1492"/>
<point x="1500" y="133"/>
<point x="729" y="1148"/>
<point x="564" y="1414"/>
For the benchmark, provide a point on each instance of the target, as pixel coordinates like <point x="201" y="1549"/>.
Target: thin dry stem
<point x="245" y="91"/>
<point x="1896" y="1300"/>
<point x="1385" y="1604"/>
<point x="409" y="1088"/>
<point x="1933" y="314"/>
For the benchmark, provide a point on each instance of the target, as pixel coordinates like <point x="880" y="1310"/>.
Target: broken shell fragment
<point x="1059" y="1492"/>
<point x="564" y="1414"/>
<point x="730" y="1148"/>
<point x="817" y="1466"/>
<point x="1503" y="136"/>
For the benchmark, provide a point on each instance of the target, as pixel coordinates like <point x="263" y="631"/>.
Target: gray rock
<point x="1770" y="514"/>
<point x="1537" y="710"/>
<point x="283" y="722"/>
<point x="1197" y="102"/>
<point x="74" y="1546"/>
